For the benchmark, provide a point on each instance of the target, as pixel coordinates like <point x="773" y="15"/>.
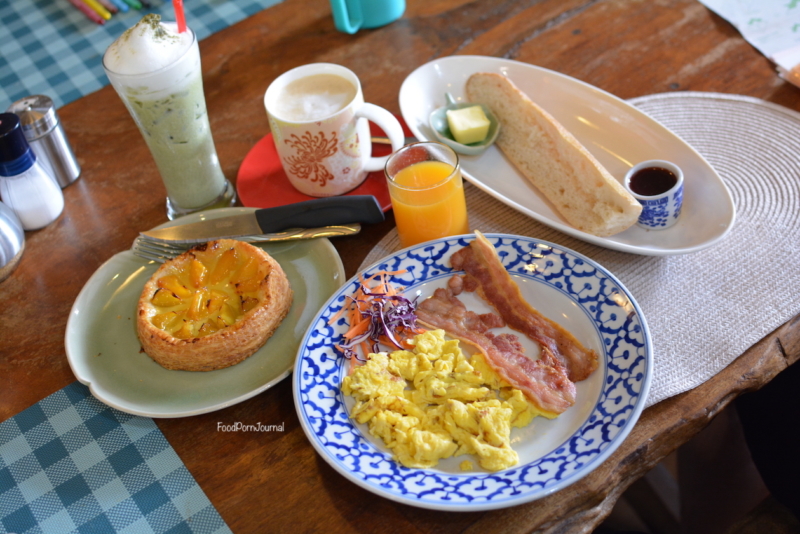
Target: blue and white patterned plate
<point x="564" y="286"/>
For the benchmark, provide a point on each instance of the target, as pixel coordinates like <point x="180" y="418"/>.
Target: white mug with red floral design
<point x="319" y="124"/>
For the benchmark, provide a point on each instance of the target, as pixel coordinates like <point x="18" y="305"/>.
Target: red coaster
<point x="262" y="183"/>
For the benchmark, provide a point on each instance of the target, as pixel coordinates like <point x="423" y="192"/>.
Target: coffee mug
<point x="349" y="16"/>
<point x="319" y="124"/>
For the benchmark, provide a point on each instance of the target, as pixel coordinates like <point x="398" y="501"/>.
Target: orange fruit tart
<point x="212" y="306"/>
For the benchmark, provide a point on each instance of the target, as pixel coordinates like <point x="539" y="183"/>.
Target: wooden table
<point x="275" y="482"/>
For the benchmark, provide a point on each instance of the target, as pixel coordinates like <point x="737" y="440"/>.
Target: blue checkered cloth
<point x="50" y="48"/>
<point x="71" y="464"/>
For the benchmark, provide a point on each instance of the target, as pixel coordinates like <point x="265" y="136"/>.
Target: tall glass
<point x="169" y="107"/>
<point x="427" y="193"/>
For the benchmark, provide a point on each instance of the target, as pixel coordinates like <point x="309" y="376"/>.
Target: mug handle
<point x="389" y="124"/>
<point x="347" y="21"/>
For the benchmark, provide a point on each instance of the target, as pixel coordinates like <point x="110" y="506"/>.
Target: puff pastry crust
<point x="212" y="307"/>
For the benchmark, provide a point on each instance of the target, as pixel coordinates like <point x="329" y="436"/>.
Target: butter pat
<point x="468" y="125"/>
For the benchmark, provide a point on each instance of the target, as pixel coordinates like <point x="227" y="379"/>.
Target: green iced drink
<point x="156" y="72"/>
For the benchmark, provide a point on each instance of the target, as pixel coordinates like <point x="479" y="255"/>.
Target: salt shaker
<point x="42" y="129"/>
<point x="25" y="186"/>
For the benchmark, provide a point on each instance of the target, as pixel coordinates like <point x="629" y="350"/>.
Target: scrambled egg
<point x="433" y="403"/>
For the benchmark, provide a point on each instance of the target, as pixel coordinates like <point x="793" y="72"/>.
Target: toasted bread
<point x="550" y="157"/>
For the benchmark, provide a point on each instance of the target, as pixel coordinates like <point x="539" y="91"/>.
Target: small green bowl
<point x="441" y="128"/>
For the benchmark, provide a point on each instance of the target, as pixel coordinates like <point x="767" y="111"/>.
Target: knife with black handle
<point x="319" y="212"/>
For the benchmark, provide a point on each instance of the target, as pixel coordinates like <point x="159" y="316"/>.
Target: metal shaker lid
<point x="37" y="114"/>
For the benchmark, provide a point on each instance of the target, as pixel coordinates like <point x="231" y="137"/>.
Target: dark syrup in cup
<point x="652" y="181"/>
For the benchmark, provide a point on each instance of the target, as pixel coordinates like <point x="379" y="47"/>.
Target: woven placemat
<point x="703" y="309"/>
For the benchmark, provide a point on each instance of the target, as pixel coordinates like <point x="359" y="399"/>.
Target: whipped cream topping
<point x="146" y="47"/>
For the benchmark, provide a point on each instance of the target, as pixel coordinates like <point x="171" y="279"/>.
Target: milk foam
<point x="148" y="46"/>
<point x="314" y="97"/>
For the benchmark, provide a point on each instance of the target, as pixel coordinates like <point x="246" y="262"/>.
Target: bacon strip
<point x="485" y="272"/>
<point x="543" y="381"/>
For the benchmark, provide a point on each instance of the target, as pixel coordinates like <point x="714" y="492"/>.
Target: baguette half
<point x="550" y="157"/>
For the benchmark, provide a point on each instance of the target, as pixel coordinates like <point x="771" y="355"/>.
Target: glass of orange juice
<point x="427" y="193"/>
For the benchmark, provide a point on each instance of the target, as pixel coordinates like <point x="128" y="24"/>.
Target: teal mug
<point x="353" y="15"/>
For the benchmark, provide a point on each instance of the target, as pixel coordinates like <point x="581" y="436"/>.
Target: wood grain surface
<point x="275" y="482"/>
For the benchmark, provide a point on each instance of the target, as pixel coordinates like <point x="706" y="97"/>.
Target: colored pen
<point x="145" y="3"/>
<point x="122" y="6"/>
<point x="109" y="5"/>
<point x="89" y="12"/>
<point x="134" y="4"/>
<point x="100" y="10"/>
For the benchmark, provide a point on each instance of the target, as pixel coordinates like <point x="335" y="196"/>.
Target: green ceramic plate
<point x="105" y="354"/>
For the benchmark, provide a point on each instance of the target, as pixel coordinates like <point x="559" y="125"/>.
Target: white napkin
<point x="788" y="62"/>
<point x="772" y="26"/>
